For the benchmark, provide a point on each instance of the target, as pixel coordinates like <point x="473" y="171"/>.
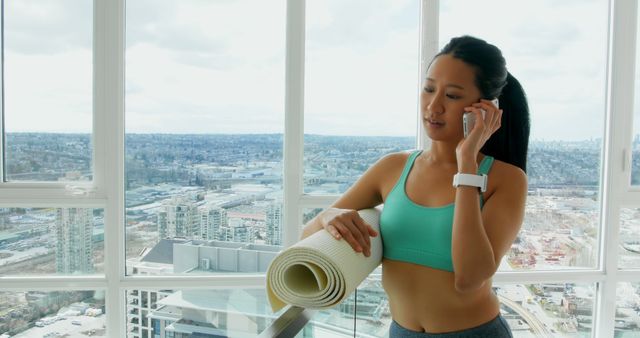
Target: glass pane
<point x="309" y="214"/>
<point x="629" y="249"/>
<point x="48" y="63"/>
<point x="361" y="88"/>
<point x="337" y="322"/>
<point x="372" y="313"/>
<point x="48" y="241"/>
<point x="635" y="147"/>
<point x="531" y="310"/>
<point x="548" y="310"/>
<point x="334" y="163"/>
<point x="204" y="124"/>
<point x="627" y="310"/>
<point x="198" y="313"/>
<point x="52" y="314"/>
<point x="549" y="57"/>
<point x="232" y="313"/>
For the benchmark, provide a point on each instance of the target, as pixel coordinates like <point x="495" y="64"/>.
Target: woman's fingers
<point x="367" y="232"/>
<point x="492" y="116"/>
<point x="348" y="225"/>
<point x="354" y="231"/>
<point x="372" y="232"/>
<point x="363" y="231"/>
<point x="347" y="232"/>
<point x="333" y="231"/>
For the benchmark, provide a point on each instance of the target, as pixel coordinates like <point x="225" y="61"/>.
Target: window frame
<point x="62" y="191"/>
<point x="107" y="191"/>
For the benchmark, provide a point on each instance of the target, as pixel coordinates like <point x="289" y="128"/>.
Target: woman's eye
<point x="451" y="96"/>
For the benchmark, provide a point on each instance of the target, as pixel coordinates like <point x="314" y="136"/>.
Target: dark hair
<point x="509" y="143"/>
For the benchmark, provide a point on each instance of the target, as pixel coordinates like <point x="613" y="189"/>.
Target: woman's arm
<point x="481" y="238"/>
<point x="342" y="219"/>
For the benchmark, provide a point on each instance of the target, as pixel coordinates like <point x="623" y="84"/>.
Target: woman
<point x="443" y="243"/>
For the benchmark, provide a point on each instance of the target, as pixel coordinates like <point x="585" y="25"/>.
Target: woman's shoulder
<point x="395" y="159"/>
<point x="390" y="164"/>
<point x="507" y="173"/>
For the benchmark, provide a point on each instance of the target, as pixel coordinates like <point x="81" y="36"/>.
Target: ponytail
<point x="510" y="142"/>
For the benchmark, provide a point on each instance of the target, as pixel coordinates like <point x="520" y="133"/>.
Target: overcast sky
<point x="204" y="66"/>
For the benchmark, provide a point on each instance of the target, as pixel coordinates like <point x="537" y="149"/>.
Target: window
<point x="563" y="167"/>
<point x="204" y="136"/>
<point x="531" y="310"/>
<point x="142" y="155"/>
<point x="629" y="249"/>
<point x="626" y="320"/>
<point x="43" y="314"/>
<point x="47" y="95"/>
<point x="237" y="312"/>
<point x="48" y="241"/>
<point x="360" y="88"/>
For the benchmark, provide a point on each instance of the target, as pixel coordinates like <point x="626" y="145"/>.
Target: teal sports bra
<point x="415" y="233"/>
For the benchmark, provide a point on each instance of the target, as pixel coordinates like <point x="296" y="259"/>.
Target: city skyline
<point x="635" y="137"/>
<point x="178" y="185"/>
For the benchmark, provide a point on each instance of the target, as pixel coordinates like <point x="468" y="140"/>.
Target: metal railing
<point x="292" y="321"/>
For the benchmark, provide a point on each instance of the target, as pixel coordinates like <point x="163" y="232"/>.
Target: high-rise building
<point x="212" y="219"/>
<point x="274" y="224"/>
<point x="237" y="231"/>
<point x="74" y="249"/>
<point x="179" y="218"/>
<point x="242" y="234"/>
<point x="148" y="317"/>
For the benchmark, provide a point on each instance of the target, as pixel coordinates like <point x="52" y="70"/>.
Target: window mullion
<point x="617" y="131"/>
<point x="53" y="283"/>
<point x="630" y="199"/>
<point x="109" y="28"/>
<point x="28" y="199"/>
<point x="549" y="276"/>
<point x="2" y="119"/>
<point x="294" y="120"/>
<point x="175" y="282"/>
<point x="629" y="275"/>
<point x="68" y="194"/>
<point x="429" y="33"/>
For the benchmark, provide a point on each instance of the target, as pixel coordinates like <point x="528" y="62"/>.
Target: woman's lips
<point x="434" y="123"/>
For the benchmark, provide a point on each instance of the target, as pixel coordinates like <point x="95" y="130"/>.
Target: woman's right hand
<point x="347" y="224"/>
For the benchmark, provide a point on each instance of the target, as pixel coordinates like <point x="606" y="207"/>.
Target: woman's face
<point x="448" y="89"/>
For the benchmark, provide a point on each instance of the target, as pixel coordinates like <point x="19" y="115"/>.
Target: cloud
<point x="358" y="91"/>
<point x="209" y="34"/>
<point x="48" y="93"/>
<point x="215" y="66"/>
<point x="47" y="26"/>
<point x="358" y="22"/>
<point x="560" y="61"/>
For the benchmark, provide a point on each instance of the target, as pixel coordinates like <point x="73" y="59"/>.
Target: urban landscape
<point x="212" y="204"/>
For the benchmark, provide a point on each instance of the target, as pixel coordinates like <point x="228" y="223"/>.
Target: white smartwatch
<point x="479" y="181"/>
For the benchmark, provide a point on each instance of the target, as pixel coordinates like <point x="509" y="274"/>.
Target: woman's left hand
<point x="468" y="148"/>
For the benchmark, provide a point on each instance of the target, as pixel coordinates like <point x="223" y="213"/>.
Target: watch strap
<point x="479" y="181"/>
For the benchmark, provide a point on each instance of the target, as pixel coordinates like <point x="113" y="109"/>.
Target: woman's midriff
<point x="425" y="299"/>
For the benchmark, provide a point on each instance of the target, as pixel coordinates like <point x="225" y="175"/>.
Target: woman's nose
<point x="434" y="105"/>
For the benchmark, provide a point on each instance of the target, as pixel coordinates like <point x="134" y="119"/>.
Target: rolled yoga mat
<point x="320" y="271"/>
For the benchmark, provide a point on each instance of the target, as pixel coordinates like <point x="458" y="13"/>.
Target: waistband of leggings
<point x="497" y="320"/>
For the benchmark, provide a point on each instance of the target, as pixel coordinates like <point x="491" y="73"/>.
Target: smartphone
<point x="469" y="119"/>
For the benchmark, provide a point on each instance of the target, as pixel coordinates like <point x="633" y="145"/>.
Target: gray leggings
<point x="496" y="328"/>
